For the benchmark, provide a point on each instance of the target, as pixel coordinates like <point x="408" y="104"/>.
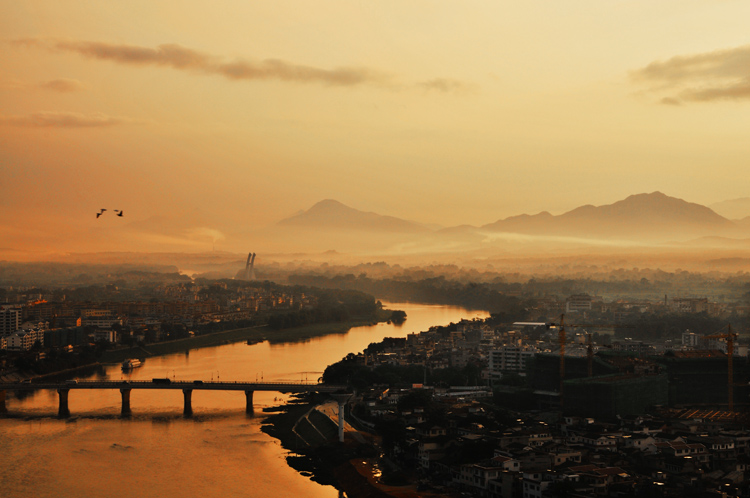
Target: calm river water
<point x="219" y="452"/>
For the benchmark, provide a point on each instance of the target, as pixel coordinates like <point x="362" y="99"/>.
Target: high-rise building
<point x="10" y="320"/>
<point x="510" y="358"/>
<point x="578" y="302"/>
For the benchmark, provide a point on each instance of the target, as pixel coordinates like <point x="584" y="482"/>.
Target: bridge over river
<point x="126" y="386"/>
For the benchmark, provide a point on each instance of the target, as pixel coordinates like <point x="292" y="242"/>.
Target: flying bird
<point x="119" y="213"/>
<point x="100" y="213"/>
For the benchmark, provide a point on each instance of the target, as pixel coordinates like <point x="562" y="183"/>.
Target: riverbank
<point x="255" y="334"/>
<point x="325" y="460"/>
<point x="352" y="467"/>
<point x="251" y="335"/>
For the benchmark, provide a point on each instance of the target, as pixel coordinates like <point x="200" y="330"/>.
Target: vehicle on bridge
<point x="158" y="380"/>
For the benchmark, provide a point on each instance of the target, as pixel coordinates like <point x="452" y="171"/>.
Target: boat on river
<point x="131" y="363"/>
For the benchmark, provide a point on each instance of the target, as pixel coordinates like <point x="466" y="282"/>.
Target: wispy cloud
<point x="185" y="59"/>
<point x="182" y="58"/>
<point x="706" y="77"/>
<point x="445" y="85"/>
<point x="64" y="120"/>
<point x="63" y="85"/>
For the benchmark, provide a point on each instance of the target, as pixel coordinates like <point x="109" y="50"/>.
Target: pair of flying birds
<point x="101" y="212"/>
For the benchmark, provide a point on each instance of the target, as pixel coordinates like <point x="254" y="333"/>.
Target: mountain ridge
<point x="640" y="216"/>
<point x="652" y="217"/>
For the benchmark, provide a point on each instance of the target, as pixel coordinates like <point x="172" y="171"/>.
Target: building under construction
<point x="611" y="383"/>
<point x="700" y="378"/>
<point x="618" y="394"/>
<point x="543" y="370"/>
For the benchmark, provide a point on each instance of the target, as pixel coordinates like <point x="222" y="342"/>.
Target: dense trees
<point x="333" y="305"/>
<point x="436" y="290"/>
<point x="655" y="327"/>
<point x="352" y="372"/>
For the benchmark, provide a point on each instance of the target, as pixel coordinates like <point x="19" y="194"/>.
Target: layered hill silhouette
<point x="734" y="209"/>
<point x="649" y="218"/>
<point x="653" y="216"/>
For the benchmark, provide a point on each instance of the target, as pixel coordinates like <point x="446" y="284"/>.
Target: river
<point x="220" y="451"/>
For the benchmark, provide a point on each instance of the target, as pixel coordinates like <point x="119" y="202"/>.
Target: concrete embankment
<point x="308" y="428"/>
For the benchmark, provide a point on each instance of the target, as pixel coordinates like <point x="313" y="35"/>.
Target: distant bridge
<point x="187" y="387"/>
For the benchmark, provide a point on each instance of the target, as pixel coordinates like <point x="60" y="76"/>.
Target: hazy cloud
<point x="64" y="85"/>
<point x="445" y="85"/>
<point x="670" y="101"/>
<point x="178" y="57"/>
<point x="710" y="76"/>
<point x="63" y="120"/>
<point x="186" y="59"/>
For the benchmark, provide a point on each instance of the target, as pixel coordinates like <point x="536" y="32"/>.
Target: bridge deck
<point x="287" y="387"/>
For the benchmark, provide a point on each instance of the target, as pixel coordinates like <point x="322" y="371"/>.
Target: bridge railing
<point x="195" y="384"/>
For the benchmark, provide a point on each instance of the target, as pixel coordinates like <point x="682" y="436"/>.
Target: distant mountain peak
<point x="329" y="203"/>
<point x="652" y="216"/>
<point x="646" y="197"/>
<point x="332" y="214"/>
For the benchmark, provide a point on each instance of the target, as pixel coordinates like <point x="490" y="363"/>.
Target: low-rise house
<point x="564" y="456"/>
<point x="476" y="477"/>
<point x="640" y="442"/>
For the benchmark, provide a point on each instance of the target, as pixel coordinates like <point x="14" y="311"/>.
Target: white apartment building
<point x="510" y="359"/>
<point x="690" y="339"/>
<point x="23" y="340"/>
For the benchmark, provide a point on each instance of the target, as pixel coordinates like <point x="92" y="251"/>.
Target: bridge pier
<point x="249" y="402"/>
<point x="63" y="410"/>
<point x="188" y="394"/>
<point x="3" y="408"/>
<point x="125" y="412"/>
<point x="341" y="399"/>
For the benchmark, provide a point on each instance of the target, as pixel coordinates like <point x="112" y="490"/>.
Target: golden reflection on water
<point x="219" y="452"/>
<point x="214" y="457"/>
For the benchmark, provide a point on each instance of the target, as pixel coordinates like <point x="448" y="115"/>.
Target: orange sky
<point x="197" y="116"/>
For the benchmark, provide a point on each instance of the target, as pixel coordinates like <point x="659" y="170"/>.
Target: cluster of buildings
<point x="482" y="453"/>
<point x="16" y="335"/>
<point x="604" y="383"/>
<point x="605" y="445"/>
<point x="63" y="323"/>
<point x="585" y="305"/>
<point x="472" y="342"/>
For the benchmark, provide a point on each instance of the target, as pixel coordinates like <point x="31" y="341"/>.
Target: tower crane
<point x="730" y="338"/>
<point x="561" y="337"/>
<point x="589" y="355"/>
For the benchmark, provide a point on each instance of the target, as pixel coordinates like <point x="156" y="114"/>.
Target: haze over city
<point x="397" y="248"/>
<point x="207" y="125"/>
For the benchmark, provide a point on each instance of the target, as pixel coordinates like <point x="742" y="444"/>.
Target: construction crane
<point x="730" y="338"/>
<point x="561" y="337"/>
